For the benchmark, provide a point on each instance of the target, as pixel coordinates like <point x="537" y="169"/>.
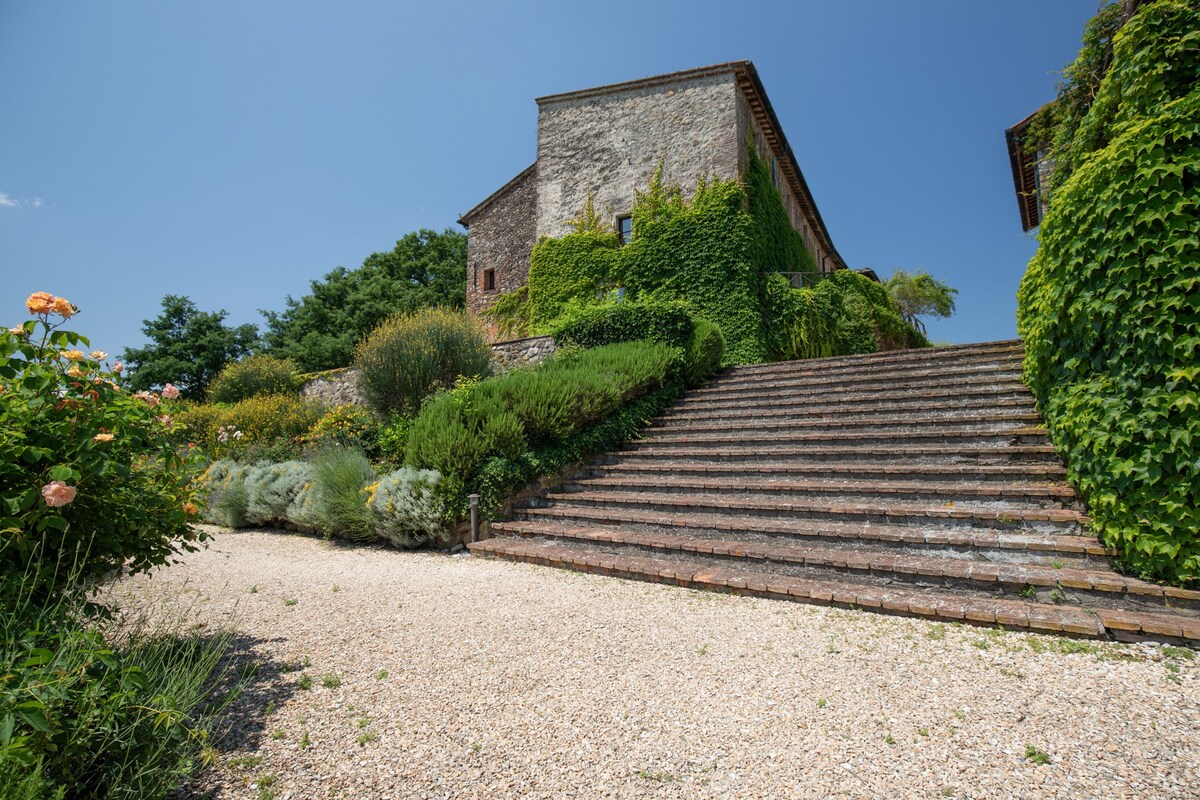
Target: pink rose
<point x="169" y="392"/>
<point x="57" y="493"/>
<point x="149" y="397"/>
<point x="118" y="367"/>
<point x="165" y="419"/>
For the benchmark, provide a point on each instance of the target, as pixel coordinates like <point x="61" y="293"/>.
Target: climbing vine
<point x="716" y="252"/>
<point x="1108" y="307"/>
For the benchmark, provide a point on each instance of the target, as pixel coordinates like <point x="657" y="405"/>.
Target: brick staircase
<point x="915" y="482"/>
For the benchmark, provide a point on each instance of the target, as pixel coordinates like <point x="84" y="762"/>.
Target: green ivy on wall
<point x="715" y="253"/>
<point x="1110" y="305"/>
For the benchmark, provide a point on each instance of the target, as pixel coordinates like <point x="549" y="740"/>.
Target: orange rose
<point x="63" y="306"/>
<point x="40" y="303"/>
<point x="102" y="437"/>
<point x="190" y="509"/>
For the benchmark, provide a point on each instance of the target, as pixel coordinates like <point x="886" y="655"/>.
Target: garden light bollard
<point x="474" y="498"/>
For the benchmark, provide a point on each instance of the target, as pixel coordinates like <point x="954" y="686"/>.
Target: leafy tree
<point x="919" y="294"/>
<point x="188" y="347"/>
<point x="319" y="331"/>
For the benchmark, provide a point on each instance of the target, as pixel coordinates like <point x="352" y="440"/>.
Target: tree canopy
<point x="320" y="330"/>
<point x="919" y="294"/>
<point x="187" y="348"/>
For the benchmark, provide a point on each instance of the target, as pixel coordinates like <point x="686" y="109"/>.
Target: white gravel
<point x="462" y="677"/>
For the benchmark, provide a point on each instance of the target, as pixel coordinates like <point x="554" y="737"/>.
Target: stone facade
<point x="605" y="143"/>
<point x="500" y="241"/>
<point x="522" y="352"/>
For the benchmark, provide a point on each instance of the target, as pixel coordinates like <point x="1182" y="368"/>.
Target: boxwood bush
<point x="668" y="322"/>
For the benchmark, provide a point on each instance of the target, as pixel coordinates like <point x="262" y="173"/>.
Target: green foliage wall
<point x="1110" y="305"/>
<point x="712" y="253"/>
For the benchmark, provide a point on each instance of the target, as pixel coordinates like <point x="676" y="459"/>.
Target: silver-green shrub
<point x="228" y="498"/>
<point x="272" y="488"/>
<point x="404" y="510"/>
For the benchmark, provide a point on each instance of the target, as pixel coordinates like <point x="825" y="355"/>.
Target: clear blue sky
<point x="233" y="151"/>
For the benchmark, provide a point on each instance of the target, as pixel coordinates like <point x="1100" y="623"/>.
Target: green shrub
<point x="253" y="376"/>
<point x="705" y="352"/>
<point x="393" y="438"/>
<point x="669" y="323"/>
<point x="90" y="476"/>
<point x="404" y="508"/>
<point x="264" y="427"/>
<point x="346" y="426"/>
<point x="407" y="358"/>
<point x="340" y="478"/>
<point x="527" y="410"/>
<point x="1108" y="306"/>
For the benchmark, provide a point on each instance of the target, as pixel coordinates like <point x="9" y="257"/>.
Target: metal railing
<point x="800" y="280"/>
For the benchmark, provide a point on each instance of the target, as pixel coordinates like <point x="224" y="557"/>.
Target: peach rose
<point x="63" y="306"/>
<point x="190" y="509"/>
<point x="102" y="437"/>
<point x="165" y="419"/>
<point x="75" y="371"/>
<point x="17" y="331"/>
<point x="57" y="493"/>
<point x="72" y="355"/>
<point x="98" y="355"/>
<point x="169" y="392"/>
<point x="149" y="397"/>
<point x="40" y="303"/>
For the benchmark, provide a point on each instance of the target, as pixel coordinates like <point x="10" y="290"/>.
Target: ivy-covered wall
<point x="715" y="252"/>
<point x="1110" y="305"/>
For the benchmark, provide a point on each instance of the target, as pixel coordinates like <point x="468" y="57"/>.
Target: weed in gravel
<point x="245" y="761"/>
<point x="937" y="631"/>
<point x="702" y="649"/>
<point x="890" y="739"/>
<point x="305" y="664"/>
<point x="655" y="775"/>
<point x="330" y="680"/>
<point x="1170" y="651"/>
<point x="1011" y="673"/>
<point x="336" y="588"/>
<point x="305" y="681"/>
<point x="265" y="782"/>
<point x="821" y="702"/>
<point x="475" y="748"/>
<point x="982" y="644"/>
<point x="254" y="589"/>
<point x="366" y="737"/>
<point x="270" y="708"/>
<point x="383" y="673"/>
<point x="959" y="715"/>
<point x="362" y="722"/>
<point x="277" y="734"/>
<point x="291" y="601"/>
<point x="305" y="742"/>
<point x="1035" y="755"/>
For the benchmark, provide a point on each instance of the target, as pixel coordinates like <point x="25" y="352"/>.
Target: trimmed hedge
<point x="670" y="323"/>
<point x="705" y="352"/>
<point x="1109" y="307"/>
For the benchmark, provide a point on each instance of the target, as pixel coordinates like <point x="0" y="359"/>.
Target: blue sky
<point x="234" y="151"/>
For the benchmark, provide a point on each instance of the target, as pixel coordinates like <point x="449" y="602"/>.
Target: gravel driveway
<point x="453" y="677"/>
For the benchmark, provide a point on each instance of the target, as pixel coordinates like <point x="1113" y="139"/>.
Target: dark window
<point x="625" y="229"/>
<point x="489" y="280"/>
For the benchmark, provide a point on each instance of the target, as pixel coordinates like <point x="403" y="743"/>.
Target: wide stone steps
<point x="915" y="454"/>
<point x="1043" y="473"/>
<point x="1074" y="585"/>
<point x="939" y="540"/>
<point x="753" y="425"/>
<point x="1046" y="495"/>
<point x="917" y="482"/>
<point x="920" y="602"/>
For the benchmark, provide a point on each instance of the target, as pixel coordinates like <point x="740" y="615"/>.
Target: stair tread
<point x="815" y="420"/>
<point x="877" y="532"/>
<point x="825" y="467"/>
<point x="776" y="436"/>
<point x="946" y="376"/>
<point x="918" y="602"/>
<point x="775" y="504"/>
<point x="883" y="487"/>
<point x="1097" y="580"/>
<point x="916" y="353"/>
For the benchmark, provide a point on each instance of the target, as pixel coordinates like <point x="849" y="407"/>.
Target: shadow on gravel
<point x="250" y="688"/>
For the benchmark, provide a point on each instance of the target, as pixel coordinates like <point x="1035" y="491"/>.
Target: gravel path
<point x="455" y="677"/>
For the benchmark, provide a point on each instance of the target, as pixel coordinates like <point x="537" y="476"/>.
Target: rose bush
<point x="90" y="479"/>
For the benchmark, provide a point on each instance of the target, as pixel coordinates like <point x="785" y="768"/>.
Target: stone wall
<point x="340" y="387"/>
<point x="608" y="146"/>
<point x="523" y="352"/>
<point x="500" y="237"/>
<point x="335" y="388"/>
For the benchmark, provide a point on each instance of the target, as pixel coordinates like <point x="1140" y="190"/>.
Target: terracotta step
<point x="932" y="362"/>
<point x="1014" y="614"/>
<point x="999" y="545"/>
<point x="882" y="397"/>
<point x="786" y="411"/>
<point x="1044" y="520"/>
<point x="679" y="425"/>
<point x="782" y="438"/>
<point x="1043" y="495"/>
<point x="957" y="454"/>
<point x="1074" y="585"/>
<point x="939" y="354"/>
<point x="940" y="375"/>
<point x="614" y="466"/>
<point x="866" y="386"/>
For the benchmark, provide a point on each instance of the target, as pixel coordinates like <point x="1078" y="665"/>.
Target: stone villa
<point x="605" y="143"/>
